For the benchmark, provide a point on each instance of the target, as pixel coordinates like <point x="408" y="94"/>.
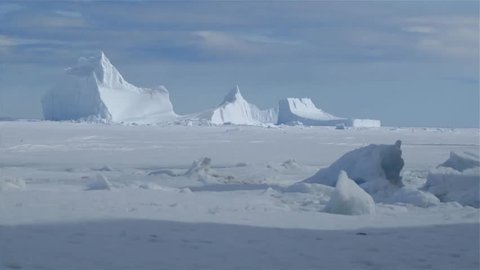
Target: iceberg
<point x="95" y="90"/>
<point x="292" y="111"/>
<point x="235" y="110"/>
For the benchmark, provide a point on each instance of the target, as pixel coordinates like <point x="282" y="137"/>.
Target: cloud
<point x="456" y="37"/>
<point x="70" y="14"/>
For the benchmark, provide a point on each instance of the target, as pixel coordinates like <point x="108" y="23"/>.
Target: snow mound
<point x="95" y="90"/>
<point x="413" y="196"/>
<point x="370" y="163"/>
<point x="234" y="110"/>
<point x="349" y="199"/>
<point x="457" y="179"/>
<point x="12" y="184"/>
<point x="293" y="111"/>
<point x="100" y="183"/>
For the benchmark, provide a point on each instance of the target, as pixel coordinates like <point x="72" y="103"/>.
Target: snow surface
<point x="95" y="90"/>
<point x="234" y="110"/>
<point x="457" y="179"/>
<point x="350" y="199"/>
<point x="251" y="213"/>
<point x="294" y="111"/>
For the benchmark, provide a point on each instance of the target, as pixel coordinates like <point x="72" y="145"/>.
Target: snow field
<point x="241" y="198"/>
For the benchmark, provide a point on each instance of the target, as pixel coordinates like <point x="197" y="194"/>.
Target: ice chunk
<point x="349" y="199"/>
<point x="365" y="164"/>
<point x="461" y="161"/>
<point x="457" y="179"/>
<point x="200" y="169"/>
<point x="100" y="183"/>
<point x="410" y="195"/>
<point x="452" y="185"/>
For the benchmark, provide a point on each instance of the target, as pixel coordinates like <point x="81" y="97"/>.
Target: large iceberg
<point x="235" y="110"/>
<point x="95" y="90"/>
<point x="302" y="110"/>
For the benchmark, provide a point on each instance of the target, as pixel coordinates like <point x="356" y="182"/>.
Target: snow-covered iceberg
<point x="375" y="162"/>
<point x="303" y="110"/>
<point x="235" y="110"/>
<point x="457" y="179"/>
<point x="95" y="90"/>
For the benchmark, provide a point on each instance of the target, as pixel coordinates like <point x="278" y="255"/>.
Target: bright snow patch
<point x="457" y="179"/>
<point x="95" y="90"/>
<point x="349" y="199"/>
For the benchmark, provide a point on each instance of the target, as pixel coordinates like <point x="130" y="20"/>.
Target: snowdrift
<point x="457" y="179"/>
<point x="95" y="90"/>
<point x="367" y="164"/>
<point x="235" y="110"/>
<point x="293" y="111"/>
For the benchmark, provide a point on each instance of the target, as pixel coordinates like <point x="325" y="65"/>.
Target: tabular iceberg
<point x="302" y="110"/>
<point x="95" y="90"/>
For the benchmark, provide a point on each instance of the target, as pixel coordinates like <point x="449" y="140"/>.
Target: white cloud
<point x="222" y="42"/>
<point x="454" y="37"/>
<point x="70" y="14"/>
<point x="419" y="29"/>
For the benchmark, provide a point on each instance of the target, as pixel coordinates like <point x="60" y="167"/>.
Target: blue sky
<point x="408" y="63"/>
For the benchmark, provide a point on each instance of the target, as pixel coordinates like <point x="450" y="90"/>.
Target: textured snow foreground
<point x="92" y="196"/>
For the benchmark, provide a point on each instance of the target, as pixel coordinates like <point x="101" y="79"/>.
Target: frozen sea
<point x="95" y="196"/>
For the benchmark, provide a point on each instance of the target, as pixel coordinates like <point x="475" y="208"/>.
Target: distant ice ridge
<point x="95" y="90"/>
<point x="235" y="110"/>
<point x="292" y="111"/>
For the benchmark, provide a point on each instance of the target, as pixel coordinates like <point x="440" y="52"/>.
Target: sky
<point x="407" y="63"/>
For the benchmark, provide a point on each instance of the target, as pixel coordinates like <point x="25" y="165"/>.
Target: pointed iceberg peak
<point x="233" y="95"/>
<point x="99" y="66"/>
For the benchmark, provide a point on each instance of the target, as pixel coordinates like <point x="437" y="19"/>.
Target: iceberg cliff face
<point x="236" y="110"/>
<point x="302" y="110"/>
<point x="96" y="90"/>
